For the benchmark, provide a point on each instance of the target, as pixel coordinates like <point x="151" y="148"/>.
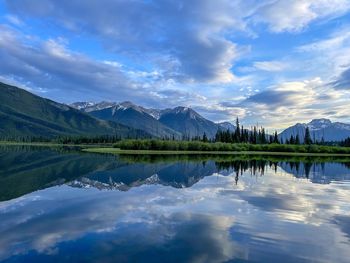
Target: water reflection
<point x="26" y="169"/>
<point x="172" y="209"/>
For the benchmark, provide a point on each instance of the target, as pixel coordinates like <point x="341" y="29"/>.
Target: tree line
<point x="258" y="136"/>
<point x="346" y="142"/>
<point x="169" y="145"/>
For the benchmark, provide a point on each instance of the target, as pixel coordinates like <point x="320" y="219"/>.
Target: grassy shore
<point x="231" y="158"/>
<point x="167" y="152"/>
<point x="198" y="146"/>
<point x="158" y="147"/>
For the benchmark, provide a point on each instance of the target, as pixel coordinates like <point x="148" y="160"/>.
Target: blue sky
<point x="273" y="62"/>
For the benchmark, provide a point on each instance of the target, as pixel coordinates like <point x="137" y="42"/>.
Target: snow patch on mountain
<point x="92" y="106"/>
<point x="227" y="126"/>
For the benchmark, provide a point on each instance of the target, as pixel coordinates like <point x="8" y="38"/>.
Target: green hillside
<point x="25" y="114"/>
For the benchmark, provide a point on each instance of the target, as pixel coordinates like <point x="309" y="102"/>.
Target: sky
<point x="269" y="62"/>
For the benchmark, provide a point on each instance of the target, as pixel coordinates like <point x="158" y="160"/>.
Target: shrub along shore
<point x="167" y="145"/>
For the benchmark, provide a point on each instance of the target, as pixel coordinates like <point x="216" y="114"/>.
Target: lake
<point x="61" y="205"/>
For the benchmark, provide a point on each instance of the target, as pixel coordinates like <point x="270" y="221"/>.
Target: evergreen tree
<point x="307" y="138"/>
<point x="217" y="136"/>
<point x="255" y="135"/>
<point x="322" y="141"/>
<point x="291" y="140"/>
<point x="228" y="136"/>
<point x="263" y="136"/>
<point x="205" y="138"/>
<point x="275" y="138"/>
<point x="346" y="142"/>
<point x="237" y="136"/>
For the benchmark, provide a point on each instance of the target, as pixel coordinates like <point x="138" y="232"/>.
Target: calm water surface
<point x="59" y="205"/>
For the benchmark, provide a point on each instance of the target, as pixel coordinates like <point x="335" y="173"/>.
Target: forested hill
<point x="25" y="114"/>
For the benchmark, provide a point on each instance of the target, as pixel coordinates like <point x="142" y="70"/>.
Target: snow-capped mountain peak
<point x="155" y="113"/>
<point x="82" y="104"/>
<point x="130" y="105"/>
<point x="317" y="124"/>
<point x="320" y="129"/>
<point x="92" y="106"/>
<point x="227" y="126"/>
<point x="184" y="110"/>
<point x="321" y="121"/>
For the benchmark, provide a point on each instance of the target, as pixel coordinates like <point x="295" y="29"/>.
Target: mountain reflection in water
<point x="61" y="205"/>
<point x="26" y="169"/>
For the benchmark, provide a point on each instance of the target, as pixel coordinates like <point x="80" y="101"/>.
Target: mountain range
<point x="319" y="128"/>
<point x="171" y="123"/>
<point x="136" y="117"/>
<point x="23" y="114"/>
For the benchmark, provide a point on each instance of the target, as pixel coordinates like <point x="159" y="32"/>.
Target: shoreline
<point x="109" y="150"/>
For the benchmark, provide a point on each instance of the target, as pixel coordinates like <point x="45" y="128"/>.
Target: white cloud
<point x="178" y="52"/>
<point x="49" y="65"/>
<point x="271" y="65"/>
<point x="14" y="20"/>
<point x="293" y="16"/>
<point x="285" y="104"/>
<point x="336" y="41"/>
<point x="329" y="56"/>
<point x="112" y="63"/>
<point x="188" y="32"/>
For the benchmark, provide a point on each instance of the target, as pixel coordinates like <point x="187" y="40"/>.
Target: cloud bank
<point x="204" y="54"/>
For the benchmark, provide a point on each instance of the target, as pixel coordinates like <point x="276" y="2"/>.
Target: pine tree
<point x="307" y="138"/>
<point x="218" y="136"/>
<point x="291" y="140"/>
<point x="205" y="138"/>
<point x="346" y="142"/>
<point x="237" y="135"/>
<point x="263" y="136"/>
<point x="275" y="139"/>
<point x="255" y="135"/>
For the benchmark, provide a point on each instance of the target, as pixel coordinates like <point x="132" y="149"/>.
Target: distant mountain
<point x="155" y="113"/>
<point x="137" y="117"/>
<point x="82" y="105"/>
<point x="92" y="106"/>
<point x="227" y="126"/>
<point x="188" y="122"/>
<point x="25" y="114"/>
<point x="177" y="122"/>
<point x="88" y="106"/>
<point x="330" y="131"/>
